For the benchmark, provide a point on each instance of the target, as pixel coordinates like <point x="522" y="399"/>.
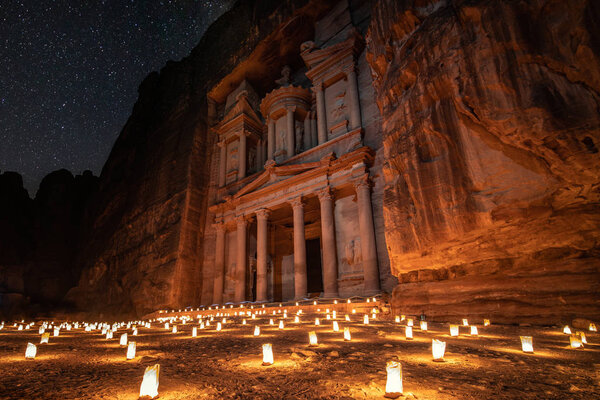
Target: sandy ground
<point x="227" y="364"/>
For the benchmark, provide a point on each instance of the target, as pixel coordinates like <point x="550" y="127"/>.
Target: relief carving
<point x="299" y="136"/>
<point x="353" y="252"/>
<point x="338" y="112"/>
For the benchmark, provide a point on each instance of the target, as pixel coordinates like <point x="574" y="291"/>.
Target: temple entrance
<point x="314" y="272"/>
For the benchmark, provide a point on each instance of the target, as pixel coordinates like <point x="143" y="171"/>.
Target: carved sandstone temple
<point x="295" y="179"/>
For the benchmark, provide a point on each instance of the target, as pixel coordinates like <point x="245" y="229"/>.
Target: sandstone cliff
<point x="491" y="130"/>
<point x="38" y="238"/>
<point x="143" y="246"/>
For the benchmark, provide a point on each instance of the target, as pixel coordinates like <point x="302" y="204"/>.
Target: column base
<point x="330" y="295"/>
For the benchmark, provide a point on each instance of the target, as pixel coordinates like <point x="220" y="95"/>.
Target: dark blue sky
<point x="70" y="70"/>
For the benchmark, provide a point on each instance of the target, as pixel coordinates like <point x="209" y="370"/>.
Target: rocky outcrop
<point x="38" y="238"/>
<point x="491" y="130"/>
<point x="143" y="247"/>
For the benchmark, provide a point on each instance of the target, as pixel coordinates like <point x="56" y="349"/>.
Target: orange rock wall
<point x="491" y="130"/>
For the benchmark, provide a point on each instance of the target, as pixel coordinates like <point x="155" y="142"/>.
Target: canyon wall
<point x="37" y="239"/>
<point x="144" y="231"/>
<point x="491" y="130"/>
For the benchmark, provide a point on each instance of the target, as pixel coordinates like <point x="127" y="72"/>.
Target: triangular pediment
<point x="274" y="174"/>
<point x="242" y="107"/>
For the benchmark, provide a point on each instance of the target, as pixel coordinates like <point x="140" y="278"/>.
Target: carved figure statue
<point x="282" y="142"/>
<point x="285" y="76"/>
<point x="299" y="136"/>
<point x="233" y="156"/>
<point x="353" y="252"/>
<point x="252" y="160"/>
<point x="338" y="111"/>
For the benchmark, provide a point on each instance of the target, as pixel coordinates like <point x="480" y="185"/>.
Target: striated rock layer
<point x="491" y="129"/>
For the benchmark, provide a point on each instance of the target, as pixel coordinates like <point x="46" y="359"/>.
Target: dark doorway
<point x="314" y="271"/>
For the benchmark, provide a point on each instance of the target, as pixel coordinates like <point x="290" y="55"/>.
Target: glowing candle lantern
<point x="347" y="336"/>
<point x="150" y="382"/>
<point x="202" y="325"/>
<point x="45" y="337"/>
<point x="281" y="324"/>
<point x="393" y="385"/>
<point x="30" y="351"/>
<point x="109" y="334"/>
<point x="271" y="322"/>
<point x="314" y="303"/>
<point x="41" y="330"/>
<point x="285" y="314"/>
<point x="56" y="331"/>
<point x="123" y="340"/>
<point x="486" y="322"/>
<point x="174" y="329"/>
<point x="575" y="342"/>
<point x="296" y="319"/>
<point x="20" y="328"/>
<point x="582" y="336"/>
<point x="453" y="330"/>
<point x="438" y="348"/>
<point x="244" y="321"/>
<point x="347" y="318"/>
<point x="317" y="321"/>
<point x="224" y="320"/>
<point x="408" y="332"/>
<point x="336" y="327"/>
<point x="267" y="354"/>
<point x="194" y="331"/>
<point x="218" y="326"/>
<point x="474" y="331"/>
<point x="166" y="325"/>
<point x="312" y="339"/>
<point x="410" y="322"/>
<point x="354" y="311"/>
<point x="131" y="350"/>
<point x="423" y="325"/>
<point x="256" y="330"/>
<point x="527" y="344"/>
<point x="366" y="319"/>
<point x="328" y="317"/>
<point x="397" y="319"/>
<point x="368" y="300"/>
<point x="334" y="314"/>
<point x="465" y="322"/>
<point x="373" y="316"/>
<point x="207" y="323"/>
<point x="253" y="316"/>
<point x="135" y="332"/>
<point x="567" y="330"/>
<point x="349" y="301"/>
<point x="592" y="327"/>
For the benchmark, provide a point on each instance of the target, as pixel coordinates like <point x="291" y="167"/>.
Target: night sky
<point x="69" y="73"/>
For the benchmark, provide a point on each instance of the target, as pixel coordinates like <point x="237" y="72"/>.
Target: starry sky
<point x="70" y="69"/>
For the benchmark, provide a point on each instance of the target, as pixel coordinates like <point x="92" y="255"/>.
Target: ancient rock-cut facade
<point x="295" y="178"/>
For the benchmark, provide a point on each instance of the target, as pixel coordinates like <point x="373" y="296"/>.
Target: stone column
<point x="330" y="270"/>
<point x="242" y="258"/>
<point x="367" y="236"/>
<point x="307" y="133"/>
<point x="262" y="219"/>
<point x="300" y="289"/>
<point x="219" y="264"/>
<point x="290" y="132"/>
<point x="264" y="154"/>
<point x="259" y="155"/>
<point x="313" y="128"/>
<point x="355" y="120"/>
<point x="222" y="163"/>
<point x="271" y="139"/>
<point x="321" y="113"/>
<point x="242" y="154"/>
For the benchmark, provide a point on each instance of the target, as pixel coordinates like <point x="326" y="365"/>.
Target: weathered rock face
<point x="491" y="130"/>
<point x="143" y="243"/>
<point x="38" y="238"/>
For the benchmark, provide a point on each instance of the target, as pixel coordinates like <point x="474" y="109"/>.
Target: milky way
<point x="69" y="72"/>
